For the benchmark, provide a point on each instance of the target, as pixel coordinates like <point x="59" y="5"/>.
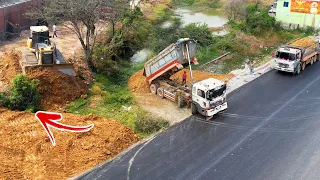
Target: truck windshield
<point x="213" y="93"/>
<point x="285" y="55"/>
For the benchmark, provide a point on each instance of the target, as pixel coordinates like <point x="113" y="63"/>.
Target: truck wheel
<point x="153" y="88"/>
<point x="194" y="109"/>
<point x="299" y="69"/>
<point x="160" y="92"/>
<point x="303" y="66"/>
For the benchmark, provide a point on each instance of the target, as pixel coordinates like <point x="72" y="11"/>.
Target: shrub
<point x="258" y="23"/>
<point x="286" y="36"/>
<point x="310" y="30"/>
<point x="147" y="123"/>
<point x="224" y="44"/>
<point x="23" y="95"/>
<point x="200" y="32"/>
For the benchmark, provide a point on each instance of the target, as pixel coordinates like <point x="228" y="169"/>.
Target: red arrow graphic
<point x="51" y="119"/>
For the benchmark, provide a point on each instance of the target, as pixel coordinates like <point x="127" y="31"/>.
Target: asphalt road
<point x="271" y="131"/>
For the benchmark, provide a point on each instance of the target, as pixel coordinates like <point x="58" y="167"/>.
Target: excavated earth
<point x="25" y="149"/>
<point x="56" y="89"/>
<point x="27" y="153"/>
<point x="138" y="84"/>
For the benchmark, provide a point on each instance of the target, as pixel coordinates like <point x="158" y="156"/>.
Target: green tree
<point x="199" y="32"/>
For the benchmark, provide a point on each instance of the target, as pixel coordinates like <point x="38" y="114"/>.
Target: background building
<point x="299" y="13"/>
<point x="12" y="19"/>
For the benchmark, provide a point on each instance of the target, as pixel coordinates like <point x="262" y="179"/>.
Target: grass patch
<point x="113" y="93"/>
<point x="206" y="54"/>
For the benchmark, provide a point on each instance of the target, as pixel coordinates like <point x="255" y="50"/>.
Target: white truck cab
<point x="209" y="97"/>
<point x="287" y="59"/>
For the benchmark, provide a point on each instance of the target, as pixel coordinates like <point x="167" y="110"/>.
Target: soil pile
<point x="56" y="89"/>
<point x="27" y="153"/>
<point x="137" y="82"/>
<point x="9" y="68"/>
<point x="304" y="42"/>
<point x="198" y="76"/>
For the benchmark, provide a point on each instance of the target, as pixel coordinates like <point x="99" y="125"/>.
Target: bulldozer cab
<point x="38" y="34"/>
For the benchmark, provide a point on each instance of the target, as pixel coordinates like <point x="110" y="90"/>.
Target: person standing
<point x="184" y="77"/>
<point x="251" y="67"/>
<point x="54" y="28"/>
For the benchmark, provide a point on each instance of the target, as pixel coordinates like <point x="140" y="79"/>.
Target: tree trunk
<point x="89" y="60"/>
<point x="88" y="50"/>
<point x="113" y="27"/>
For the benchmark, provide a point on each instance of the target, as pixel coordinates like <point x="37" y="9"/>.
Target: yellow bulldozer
<point x="42" y="52"/>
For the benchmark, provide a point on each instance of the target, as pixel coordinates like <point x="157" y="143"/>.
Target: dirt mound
<point x="137" y="82"/>
<point x="27" y="153"/>
<point x="9" y="68"/>
<point x="304" y="42"/>
<point x="56" y="89"/>
<point x="198" y="76"/>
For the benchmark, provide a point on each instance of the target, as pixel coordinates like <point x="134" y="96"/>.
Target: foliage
<point x="286" y="36"/>
<point x="23" y="95"/>
<point x="200" y="32"/>
<point x="259" y="22"/>
<point x="146" y="123"/>
<point x="224" y="44"/>
<point x="185" y="2"/>
<point x="206" y="53"/>
<point x="310" y="30"/>
<point x="82" y="17"/>
<point x="122" y="45"/>
<point x="235" y="9"/>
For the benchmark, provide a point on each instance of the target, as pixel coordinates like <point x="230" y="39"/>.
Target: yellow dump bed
<point x="304" y="42"/>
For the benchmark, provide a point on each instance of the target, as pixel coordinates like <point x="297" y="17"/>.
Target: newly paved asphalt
<point x="271" y="131"/>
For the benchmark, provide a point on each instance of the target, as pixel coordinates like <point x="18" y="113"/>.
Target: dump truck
<point x="207" y="97"/>
<point x="296" y="55"/>
<point x="40" y="51"/>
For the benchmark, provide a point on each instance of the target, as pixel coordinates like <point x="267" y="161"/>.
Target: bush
<point x="23" y="95"/>
<point x="200" y="32"/>
<point x="258" y="23"/>
<point x="310" y="30"/>
<point x="146" y="123"/>
<point x="224" y="44"/>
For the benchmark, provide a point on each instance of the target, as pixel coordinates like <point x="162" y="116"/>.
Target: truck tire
<point x="303" y="66"/>
<point x="153" y="88"/>
<point x="160" y="92"/>
<point x="194" y="109"/>
<point x="299" y="69"/>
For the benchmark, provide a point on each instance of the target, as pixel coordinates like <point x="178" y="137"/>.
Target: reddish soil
<point x="9" y="68"/>
<point x="57" y="89"/>
<point x="27" y="153"/>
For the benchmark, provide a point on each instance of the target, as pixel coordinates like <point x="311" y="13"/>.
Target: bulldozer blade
<point x="65" y="68"/>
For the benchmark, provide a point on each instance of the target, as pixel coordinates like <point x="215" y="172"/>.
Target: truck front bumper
<point x="284" y="69"/>
<point x="217" y="109"/>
